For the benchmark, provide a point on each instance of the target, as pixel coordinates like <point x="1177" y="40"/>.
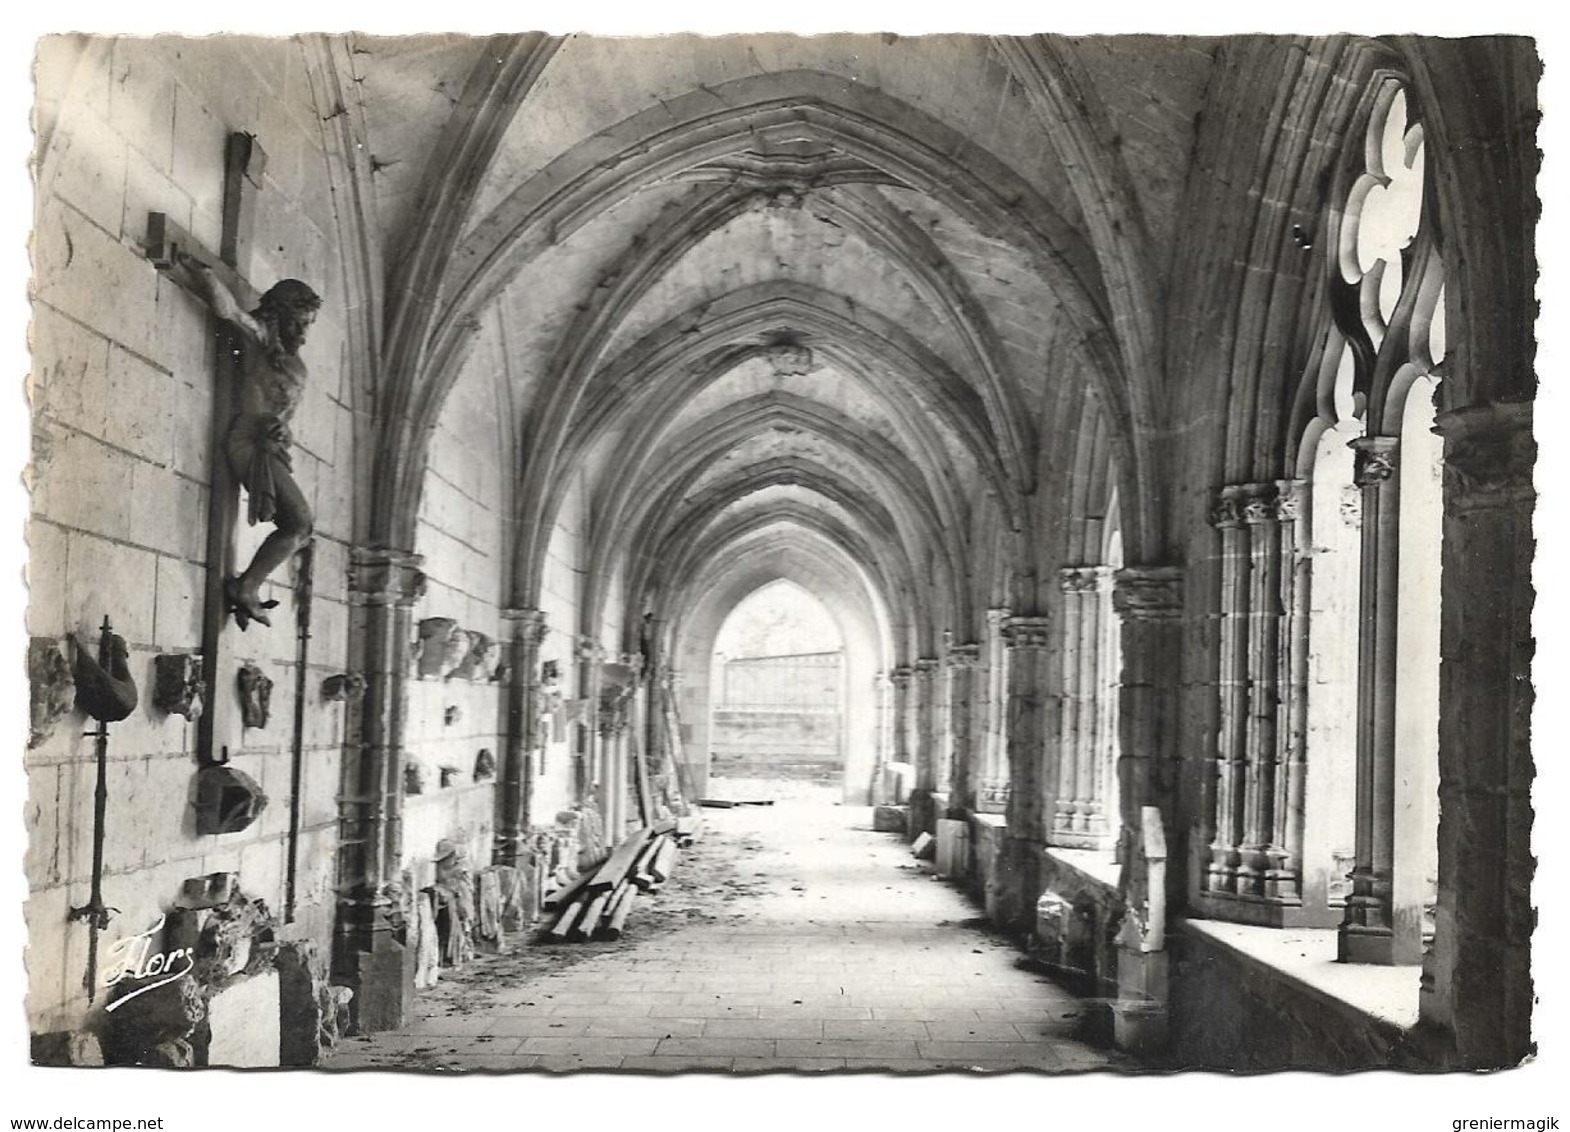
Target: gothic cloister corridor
<point x="830" y="949"/>
<point x="1099" y="469"/>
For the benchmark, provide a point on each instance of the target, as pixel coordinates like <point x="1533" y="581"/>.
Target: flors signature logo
<point x="134" y="958"/>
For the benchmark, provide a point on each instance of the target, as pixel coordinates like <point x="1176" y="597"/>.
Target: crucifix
<point x="260" y="381"/>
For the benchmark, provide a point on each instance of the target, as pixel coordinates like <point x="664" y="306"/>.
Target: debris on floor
<point x="597" y="903"/>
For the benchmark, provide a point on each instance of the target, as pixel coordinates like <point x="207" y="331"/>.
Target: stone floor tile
<point x="977" y="1031"/>
<point x="845" y="1047"/>
<point x="702" y="1009"/>
<point x="590" y="1047"/>
<point x="862" y="1029"/>
<point x="645" y="1027"/>
<point x="787" y="1064"/>
<point x="763" y="1028"/>
<point x="576" y="1062"/>
<point x="718" y="1047"/>
<point x="674" y="1064"/>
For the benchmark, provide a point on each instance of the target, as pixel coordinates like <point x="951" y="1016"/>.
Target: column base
<point x="1359" y="943"/>
<point x="1018" y="884"/>
<point x="382" y="978"/>
<point x="1139" y="1013"/>
<point x="923" y="814"/>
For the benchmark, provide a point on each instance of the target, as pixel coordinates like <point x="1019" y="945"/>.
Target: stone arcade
<point x="1152" y="419"/>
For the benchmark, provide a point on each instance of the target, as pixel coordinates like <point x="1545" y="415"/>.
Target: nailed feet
<point x="245" y="607"/>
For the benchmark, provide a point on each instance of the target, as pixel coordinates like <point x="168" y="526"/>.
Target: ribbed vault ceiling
<point x="823" y="299"/>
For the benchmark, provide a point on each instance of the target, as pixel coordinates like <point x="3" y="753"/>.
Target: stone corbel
<point x="345" y="687"/>
<point x="1489" y="454"/>
<point x="178" y="688"/>
<point x="1027" y="632"/>
<point x="256" y="694"/>
<point x="52" y="687"/>
<point x="1148" y="592"/>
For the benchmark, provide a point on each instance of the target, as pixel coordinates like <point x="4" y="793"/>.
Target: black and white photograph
<point x="993" y="557"/>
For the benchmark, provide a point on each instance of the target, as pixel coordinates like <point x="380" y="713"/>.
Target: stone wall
<point x="453" y="715"/>
<point x="121" y="386"/>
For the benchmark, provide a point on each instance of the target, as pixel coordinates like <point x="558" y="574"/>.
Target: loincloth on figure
<point x="258" y="450"/>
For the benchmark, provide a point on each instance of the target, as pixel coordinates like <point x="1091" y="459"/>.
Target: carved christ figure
<point x="272" y="381"/>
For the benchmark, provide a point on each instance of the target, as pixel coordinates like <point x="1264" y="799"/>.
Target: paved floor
<point x="792" y="938"/>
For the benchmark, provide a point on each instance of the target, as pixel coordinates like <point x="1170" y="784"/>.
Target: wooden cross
<point x="219" y="726"/>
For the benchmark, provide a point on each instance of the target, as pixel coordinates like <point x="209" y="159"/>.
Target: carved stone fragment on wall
<point x="448" y="775"/>
<point x="460" y="643"/>
<point x="178" y="688"/>
<point x="52" y="687"/>
<point x="345" y="687"/>
<point x="105" y="691"/>
<point x="227" y="799"/>
<point x="413" y="777"/>
<point x="431" y="647"/>
<point x="484" y="765"/>
<point x="256" y="696"/>
<point x="479" y="661"/>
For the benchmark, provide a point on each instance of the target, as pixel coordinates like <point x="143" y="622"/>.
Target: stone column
<point x="883" y="691"/>
<point x="1221" y="873"/>
<point x="1284" y="873"/>
<point x="371" y="951"/>
<point x="1149" y="604"/>
<point x="1031" y="720"/>
<point x="963" y="663"/>
<point x="1478" y="982"/>
<point x="994" y="787"/>
<point x="1370" y="932"/>
<point x="613" y="720"/>
<point x="522" y="700"/>
<point x="924" y="694"/>
<point x="1079" y="818"/>
<point x="900" y="680"/>
<point x="590" y="657"/>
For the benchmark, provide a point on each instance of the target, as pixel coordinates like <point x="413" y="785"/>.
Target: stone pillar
<point x="1079" y="817"/>
<point x="924" y="694"/>
<point x="994" y="786"/>
<point x="1373" y="930"/>
<point x="522" y="699"/>
<point x="964" y="664"/>
<point x="883" y="754"/>
<point x="590" y="657"/>
<point x="900" y="680"/>
<point x="613" y="720"/>
<point x="371" y="947"/>
<point x="1031" y="721"/>
<point x="1478" y="982"/>
<point x="1221" y="873"/>
<point x="1148" y="601"/>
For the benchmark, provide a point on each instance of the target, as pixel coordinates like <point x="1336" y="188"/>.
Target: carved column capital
<point x="1374" y="459"/>
<point x="925" y="666"/>
<point x="1028" y="632"/>
<point x="900" y="677"/>
<point x="591" y="652"/>
<point x="1084" y="579"/>
<point x="1148" y="592"/>
<point x="379" y="576"/>
<point x="532" y="624"/>
<point x="1489" y="452"/>
<point x="964" y="656"/>
<point x="1290" y="495"/>
<point x="996" y="617"/>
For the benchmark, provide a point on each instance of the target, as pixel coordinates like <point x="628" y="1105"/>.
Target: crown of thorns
<point x="290" y="293"/>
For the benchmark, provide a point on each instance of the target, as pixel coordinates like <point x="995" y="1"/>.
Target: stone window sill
<point x="1306" y="959"/>
<point x="1097" y="864"/>
<point x="992" y="821"/>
